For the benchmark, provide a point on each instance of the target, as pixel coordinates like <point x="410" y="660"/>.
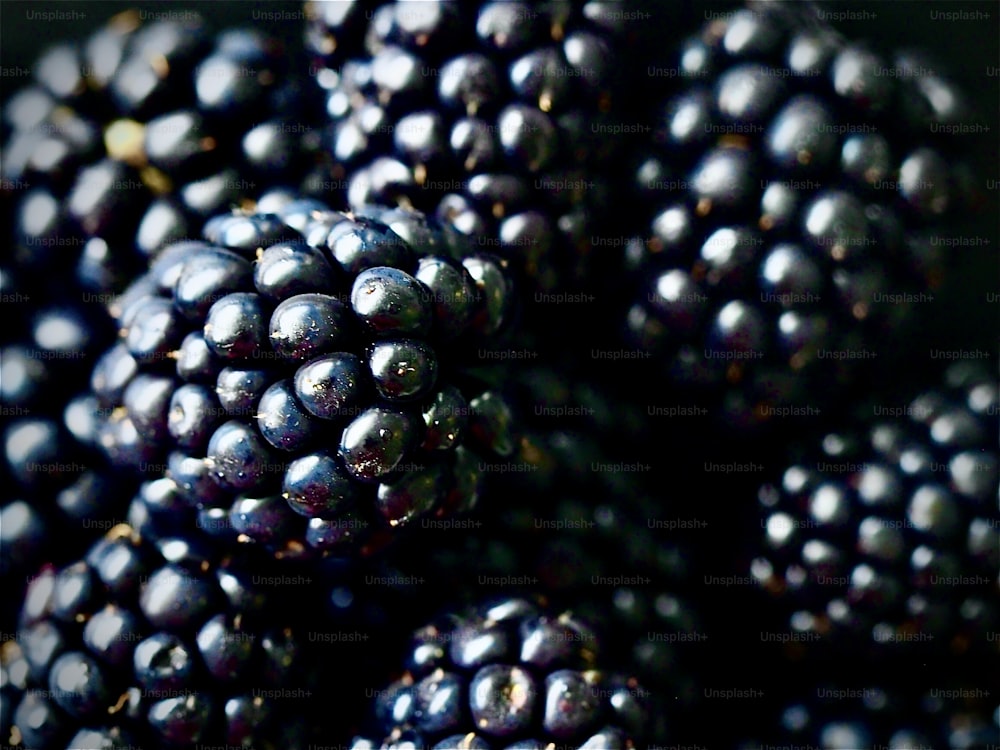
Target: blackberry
<point x="308" y="371"/>
<point x="795" y="192"/>
<point x="888" y="531"/>
<point x="156" y="644"/>
<point x="508" y="674"/>
<point x="131" y="139"/>
<point x="501" y="118"/>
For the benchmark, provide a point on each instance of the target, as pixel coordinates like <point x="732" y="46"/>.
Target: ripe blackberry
<point x="305" y="370"/>
<point x="888" y="532"/>
<point x="795" y="193"/>
<point x="508" y="674"/>
<point x="494" y="116"/>
<point x="132" y="138"/>
<point x="161" y="646"/>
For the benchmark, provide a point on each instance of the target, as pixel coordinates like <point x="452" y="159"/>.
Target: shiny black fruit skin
<point x="390" y="302"/>
<point x="376" y="440"/>
<point x="403" y="369"/>
<point x="332" y="386"/>
<point x="308" y="325"/>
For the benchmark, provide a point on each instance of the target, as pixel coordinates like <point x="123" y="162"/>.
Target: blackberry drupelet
<point x="795" y="193"/>
<point x="335" y="31"/>
<point x="888" y="531"/>
<point x="509" y="674"/>
<point x="131" y="139"/>
<point x="159" y="644"/>
<point x="309" y="371"/>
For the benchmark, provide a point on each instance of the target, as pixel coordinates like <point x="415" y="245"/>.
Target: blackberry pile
<point x="795" y="192"/>
<point x="153" y="646"/>
<point x="509" y="674"/>
<point x="888" y="532"/>
<point x="303" y="369"/>
<point x="390" y="374"/>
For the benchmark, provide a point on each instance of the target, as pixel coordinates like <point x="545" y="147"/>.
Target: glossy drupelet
<point x="158" y="644"/>
<point x="508" y="674"/>
<point x="795" y="193"/>
<point x="309" y="372"/>
<point x="886" y="532"/>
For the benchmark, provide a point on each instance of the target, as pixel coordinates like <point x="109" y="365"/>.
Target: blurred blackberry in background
<point x="131" y="139"/>
<point x="796" y="191"/>
<point x="508" y="671"/>
<point x="897" y="715"/>
<point x="290" y="369"/>
<point x="112" y="151"/>
<point x="57" y="483"/>
<point x="888" y="533"/>
<point x="122" y="143"/>
<point x="156" y="645"/>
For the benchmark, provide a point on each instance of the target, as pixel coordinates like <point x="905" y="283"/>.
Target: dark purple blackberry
<point x="309" y="372"/>
<point x="158" y="644"/>
<point x="795" y="192"/>
<point x="499" y="117"/>
<point x="508" y="672"/>
<point x="888" y="532"/>
<point x="130" y="140"/>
